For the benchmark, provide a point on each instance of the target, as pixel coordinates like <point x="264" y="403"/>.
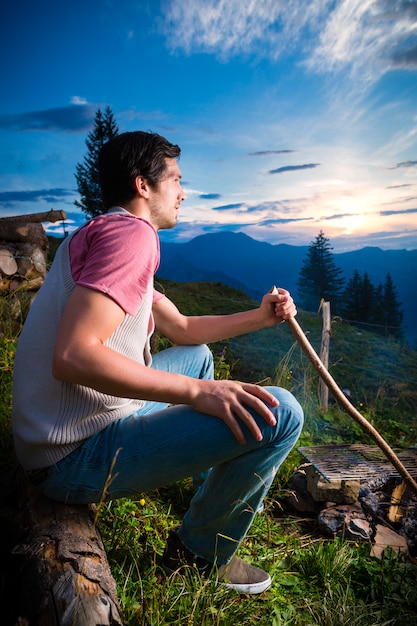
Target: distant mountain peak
<point x="254" y="266"/>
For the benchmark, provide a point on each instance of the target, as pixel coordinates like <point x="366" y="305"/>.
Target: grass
<point x="316" y="582"/>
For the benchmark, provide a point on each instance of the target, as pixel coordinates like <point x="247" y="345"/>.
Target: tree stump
<point x="58" y="571"/>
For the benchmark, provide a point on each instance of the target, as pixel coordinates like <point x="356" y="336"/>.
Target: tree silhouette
<point x="359" y="300"/>
<point x="351" y="299"/>
<point x="369" y="304"/>
<point x="390" y="315"/>
<point x="86" y="173"/>
<point x="319" y="276"/>
<point x="379" y="307"/>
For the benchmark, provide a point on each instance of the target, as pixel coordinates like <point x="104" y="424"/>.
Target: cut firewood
<point x="18" y="231"/>
<point x="8" y="265"/>
<point x="4" y="284"/>
<point x="31" y="260"/>
<point x="394" y="512"/>
<point x="24" y="250"/>
<point x="32" y="284"/>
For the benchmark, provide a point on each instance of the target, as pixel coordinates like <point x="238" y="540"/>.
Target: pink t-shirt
<point x="117" y="254"/>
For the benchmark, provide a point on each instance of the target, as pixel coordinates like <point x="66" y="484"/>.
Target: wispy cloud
<point x="8" y="199"/>
<point x="404" y="164"/>
<point x="229" y="207"/>
<point x="366" y="37"/>
<point x="283" y="220"/>
<point x="266" y="208"/>
<point x="227" y="28"/>
<point x="369" y="37"/>
<point x="399" y="200"/>
<point x="398" y="212"/>
<point x="73" y="118"/>
<point x="270" y="152"/>
<point x="78" y="100"/>
<point x="338" y="216"/>
<point x="210" y="196"/>
<point x="292" y="168"/>
<point x="406" y="59"/>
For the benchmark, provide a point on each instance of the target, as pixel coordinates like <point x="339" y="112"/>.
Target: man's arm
<point x="81" y="357"/>
<point x="189" y="330"/>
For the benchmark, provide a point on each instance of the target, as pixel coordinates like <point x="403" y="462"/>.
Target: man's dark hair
<point x="128" y="155"/>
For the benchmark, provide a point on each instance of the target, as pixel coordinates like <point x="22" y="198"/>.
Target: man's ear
<point x="141" y="187"/>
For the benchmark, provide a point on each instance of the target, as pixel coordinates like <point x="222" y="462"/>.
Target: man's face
<point x="165" y="200"/>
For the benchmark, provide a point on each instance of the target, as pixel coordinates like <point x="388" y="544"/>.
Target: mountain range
<point x="254" y="266"/>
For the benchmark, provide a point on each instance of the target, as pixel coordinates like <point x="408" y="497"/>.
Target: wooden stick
<point x="342" y="399"/>
<point x="47" y="216"/>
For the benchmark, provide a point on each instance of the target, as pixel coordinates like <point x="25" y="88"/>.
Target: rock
<point x="409" y="527"/>
<point x="360" y="528"/>
<point x="300" y="499"/>
<point x="384" y="538"/>
<point x="348" y="521"/>
<point x="373" y="503"/>
<point x="339" y="491"/>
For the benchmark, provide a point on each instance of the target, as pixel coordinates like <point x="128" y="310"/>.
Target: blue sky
<point x="293" y="116"/>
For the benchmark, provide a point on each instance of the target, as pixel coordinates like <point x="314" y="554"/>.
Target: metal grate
<point x="357" y="462"/>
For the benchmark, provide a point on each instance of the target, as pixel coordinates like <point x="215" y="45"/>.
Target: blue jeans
<point x="161" y="444"/>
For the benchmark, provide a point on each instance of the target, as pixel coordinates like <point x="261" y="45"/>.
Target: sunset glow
<point x="293" y="117"/>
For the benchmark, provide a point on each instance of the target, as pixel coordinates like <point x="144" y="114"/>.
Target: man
<point x="89" y="401"/>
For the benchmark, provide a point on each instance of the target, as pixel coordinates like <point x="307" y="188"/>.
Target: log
<point x="46" y="216"/>
<point x="17" y="231"/>
<point x="22" y="266"/>
<point x="30" y="284"/>
<point x="23" y="253"/>
<point x="8" y="265"/>
<point x="59" y="574"/>
<point x="4" y="284"/>
<point x="31" y="260"/>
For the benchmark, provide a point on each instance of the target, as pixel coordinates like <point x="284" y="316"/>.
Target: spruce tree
<point x="363" y="303"/>
<point x="86" y="173"/>
<point x="369" y="301"/>
<point x="359" y="301"/>
<point x="319" y="276"/>
<point x="390" y="308"/>
<point x="351" y="298"/>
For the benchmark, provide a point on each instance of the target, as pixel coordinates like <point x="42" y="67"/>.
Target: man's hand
<point x="229" y="401"/>
<point x="277" y="306"/>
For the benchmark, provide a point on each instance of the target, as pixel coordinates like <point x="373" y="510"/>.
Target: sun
<point x="354" y="215"/>
<point x="351" y="224"/>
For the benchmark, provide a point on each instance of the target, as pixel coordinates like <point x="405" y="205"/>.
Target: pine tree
<point x="86" y="173"/>
<point x="319" y="276"/>
<point x="390" y="307"/>
<point x="351" y="298"/>
<point x="359" y="300"/>
<point x="362" y="302"/>
<point x="369" y="301"/>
